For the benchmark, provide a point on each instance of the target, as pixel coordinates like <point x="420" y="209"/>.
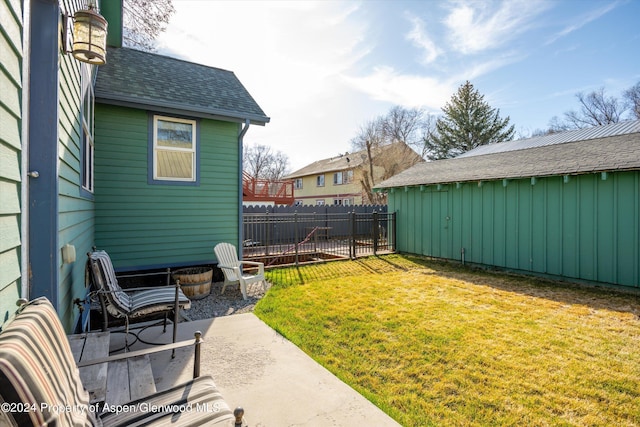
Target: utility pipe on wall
<point x="243" y="131"/>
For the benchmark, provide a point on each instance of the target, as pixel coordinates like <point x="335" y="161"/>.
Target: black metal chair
<point x="134" y="304"/>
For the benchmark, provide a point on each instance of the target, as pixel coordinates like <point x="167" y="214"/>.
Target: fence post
<point x="267" y="232"/>
<point x="375" y="232"/>
<point x="295" y="233"/>
<point x="352" y="236"/>
<point x="315" y="234"/>
<point x="393" y="218"/>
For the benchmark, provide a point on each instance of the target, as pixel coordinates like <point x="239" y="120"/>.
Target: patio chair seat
<point x="232" y="268"/>
<point x="41" y="381"/>
<point x="136" y="303"/>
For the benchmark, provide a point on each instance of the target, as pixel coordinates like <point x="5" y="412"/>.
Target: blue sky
<point x="322" y="69"/>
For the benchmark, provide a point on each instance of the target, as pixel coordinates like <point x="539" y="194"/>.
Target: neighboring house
<point x="55" y="201"/>
<point x="565" y="206"/>
<point x="168" y="180"/>
<point x="339" y="180"/>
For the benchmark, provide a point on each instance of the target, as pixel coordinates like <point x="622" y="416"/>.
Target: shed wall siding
<point x="146" y="226"/>
<point x="583" y="227"/>
<point x="10" y="153"/>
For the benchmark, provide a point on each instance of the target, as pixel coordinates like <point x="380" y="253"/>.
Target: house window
<point x="174" y="150"/>
<point x="320" y="181"/>
<point x="348" y="177"/>
<point x="320" y="202"/>
<point x="343" y="202"/>
<point x="87" y="148"/>
<point x="297" y="203"/>
<point x="297" y="184"/>
<point x="337" y="178"/>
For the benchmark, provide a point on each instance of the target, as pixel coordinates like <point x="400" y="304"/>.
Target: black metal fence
<point x="295" y="238"/>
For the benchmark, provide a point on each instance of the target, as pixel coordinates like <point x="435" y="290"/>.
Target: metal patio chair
<point x="233" y="270"/>
<point x="134" y="304"/>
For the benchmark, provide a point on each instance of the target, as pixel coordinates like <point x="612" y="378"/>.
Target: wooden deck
<point x="115" y="382"/>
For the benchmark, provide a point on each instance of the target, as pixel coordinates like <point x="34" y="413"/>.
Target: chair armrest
<point x="254" y="264"/>
<point x="165" y="347"/>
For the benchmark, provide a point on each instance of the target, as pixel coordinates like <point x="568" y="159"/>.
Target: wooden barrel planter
<point x="195" y="282"/>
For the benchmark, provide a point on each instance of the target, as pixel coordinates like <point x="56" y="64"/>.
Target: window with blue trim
<point x="174" y="150"/>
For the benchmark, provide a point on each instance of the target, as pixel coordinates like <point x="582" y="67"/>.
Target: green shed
<point x="565" y="206"/>
<point x="168" y="159"/>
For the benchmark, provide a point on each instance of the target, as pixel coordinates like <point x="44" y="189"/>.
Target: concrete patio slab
<point x="275" y="382"/>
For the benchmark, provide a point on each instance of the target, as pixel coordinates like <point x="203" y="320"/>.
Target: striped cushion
<point x="197" y="402"/>
<point x="38" y="373"/>
<point x="105" y="279"/>
<point x="157" y="299"/>
<point x="133" y="304"/>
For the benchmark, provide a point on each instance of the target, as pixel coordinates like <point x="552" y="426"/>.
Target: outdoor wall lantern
<point x="89" y="36"/>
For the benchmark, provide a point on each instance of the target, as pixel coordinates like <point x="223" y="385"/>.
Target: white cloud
<point x="289" y="55"/>
<point x="477" y="26"/>
<point x="386" y="84"/>
<point x="582" y="21"/>
<point x="421" y="39"/>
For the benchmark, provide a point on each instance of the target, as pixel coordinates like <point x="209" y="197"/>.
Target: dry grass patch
<point x="436" y="344"/>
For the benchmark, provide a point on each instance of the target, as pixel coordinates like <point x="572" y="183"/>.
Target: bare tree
<point x="402" y="124"/>
<point x="279" y="166"/>
<point x="370" y="136"/>
<point x="556" y="125"/>
<point x="632" y="100"/>
<point x="381" y="145"/>
<point x="261" y="162"/>
<point x="144" y="20"/>
<point x="428" y="132"/>
<point x="596" y="109"/>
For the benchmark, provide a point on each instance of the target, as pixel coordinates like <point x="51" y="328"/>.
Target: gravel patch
<point x="229" y="303"/>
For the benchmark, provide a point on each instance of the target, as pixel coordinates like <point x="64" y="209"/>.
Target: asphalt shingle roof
<point x="343" y="161"/>
<point x="142" y="79"/>
<point x="333" y="164"/>
<point x="614" y="153"/>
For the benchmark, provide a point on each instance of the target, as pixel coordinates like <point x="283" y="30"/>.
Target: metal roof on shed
<point x="604" y="131"/>
<point x="599" y="154"/>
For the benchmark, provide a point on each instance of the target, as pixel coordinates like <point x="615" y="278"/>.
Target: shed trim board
<point x="585" y="229"/>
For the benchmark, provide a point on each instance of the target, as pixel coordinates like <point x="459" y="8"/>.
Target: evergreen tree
<point x="468" y="122"/>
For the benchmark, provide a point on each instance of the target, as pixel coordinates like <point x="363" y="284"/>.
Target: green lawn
<point x="432" y="343"/>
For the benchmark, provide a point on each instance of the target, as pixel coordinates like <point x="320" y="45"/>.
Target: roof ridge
<point x="173" y="58"/>
<point x="584" y="134"/>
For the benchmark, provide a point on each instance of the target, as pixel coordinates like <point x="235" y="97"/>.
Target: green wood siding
<point x="73" y="225"/>
<point x="10" y="154"/>
<point x="146" y="225"/>
<point x="580" y="227"/>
